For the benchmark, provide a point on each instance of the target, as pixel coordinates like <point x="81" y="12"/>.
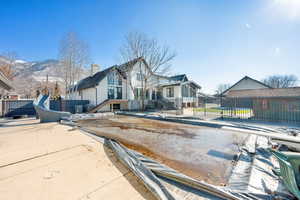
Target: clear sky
<point x="217" y="41"/>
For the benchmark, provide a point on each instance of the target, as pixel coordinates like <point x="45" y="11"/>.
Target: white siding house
<point x="120" y="87"/>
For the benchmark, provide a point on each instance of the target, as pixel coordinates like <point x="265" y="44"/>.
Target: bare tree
<point x="25" y="86"/>
<point x="157" y="57"/>
<point x="73" y="57"/>
<point x="7" y="66"/>
<point x="281" y="81"/>
<point x="222" y="87"/>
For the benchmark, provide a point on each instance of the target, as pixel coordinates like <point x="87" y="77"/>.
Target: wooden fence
<point x="264" y="109"/>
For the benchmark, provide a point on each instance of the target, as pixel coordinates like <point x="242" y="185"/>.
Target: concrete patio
<point x="52" y="161"/>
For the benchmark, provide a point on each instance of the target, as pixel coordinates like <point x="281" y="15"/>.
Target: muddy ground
<point x="200" y="152"/>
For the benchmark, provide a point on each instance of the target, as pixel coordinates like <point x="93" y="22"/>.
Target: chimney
<point x="94" y="69"/>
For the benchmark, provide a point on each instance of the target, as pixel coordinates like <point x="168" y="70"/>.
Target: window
<point x="170" y="92"/>
<point x="153" y="95"/>
<point x="111" y="92"/>
<point x="114" y="81"/>
<point x="184" y="91"/>
<point x="193" y="92"/>
<point x="114" y="78"/>
<point x="119" y="92"/>
<point x="188" y="91"/>
<point x="139" y="76"/>
<point x="137" y="93"/>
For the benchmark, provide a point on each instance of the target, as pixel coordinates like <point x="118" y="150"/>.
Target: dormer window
<point x="114" y="78"/>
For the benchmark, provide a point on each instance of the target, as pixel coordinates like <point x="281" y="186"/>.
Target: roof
<point x="267" y="92"/>
<point x="245" y="78"/>
<point x="92" y="81"/>
<point x="4" y="82"/>
<point x="201" y="94"/>
<point x="180" y="83"/>
<point x="181" y="77"/>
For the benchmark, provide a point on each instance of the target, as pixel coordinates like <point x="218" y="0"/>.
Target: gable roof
<point x="181" y="77"/>
<point x="245" y="78"/>
<point x="266" y="92"/>
<point x="92" y="81"/>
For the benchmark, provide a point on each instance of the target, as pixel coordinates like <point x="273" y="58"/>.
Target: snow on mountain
<point x="20" y="61"/>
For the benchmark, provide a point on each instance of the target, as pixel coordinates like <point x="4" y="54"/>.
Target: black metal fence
<point x="10" y="108"/>
<point x="260" y="109"/>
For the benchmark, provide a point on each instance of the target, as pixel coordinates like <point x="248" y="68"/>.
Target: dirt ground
<point x="200" y="152"/>
<point x="50" y="161"/>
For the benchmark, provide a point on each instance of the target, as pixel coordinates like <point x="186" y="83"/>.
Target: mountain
<point x="31" y="75"/>
<point x="34" y="70"/>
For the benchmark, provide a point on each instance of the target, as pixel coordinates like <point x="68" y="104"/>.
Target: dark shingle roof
<point x="181" y="77"/>
<point x="92" y="81"/>
<point x="266" y="92"/>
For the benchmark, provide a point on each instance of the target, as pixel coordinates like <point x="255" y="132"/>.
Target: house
<point x="275" y="104"/>
<point x="120" y="87"/>
<point x="263" y="101"/>
<point x="246" y="83"/>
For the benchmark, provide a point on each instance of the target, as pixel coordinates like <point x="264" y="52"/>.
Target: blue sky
<point x="217" y="41"/>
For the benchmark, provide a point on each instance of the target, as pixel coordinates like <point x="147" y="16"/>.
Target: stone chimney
<point x="94" y="69"/>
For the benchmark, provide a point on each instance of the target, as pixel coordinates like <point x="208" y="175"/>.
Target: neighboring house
<point x="246" y="83"/>
<point x="120" y="87"/>
<point x="276" y="104"/>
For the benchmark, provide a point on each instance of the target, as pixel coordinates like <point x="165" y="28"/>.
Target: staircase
<point x="105" y="102"/>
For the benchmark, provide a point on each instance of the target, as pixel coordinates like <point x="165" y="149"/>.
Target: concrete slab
<point x="48" y="161"/>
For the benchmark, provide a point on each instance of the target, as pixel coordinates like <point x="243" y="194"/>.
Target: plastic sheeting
<point x="41" y="106"/>
<point x="251" y="179"/>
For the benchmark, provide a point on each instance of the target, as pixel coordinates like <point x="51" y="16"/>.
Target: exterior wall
<point x="89" y="94"/>
<point x="102" y="91"/>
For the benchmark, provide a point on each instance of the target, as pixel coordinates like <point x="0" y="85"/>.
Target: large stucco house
<point x="120" y="87"/>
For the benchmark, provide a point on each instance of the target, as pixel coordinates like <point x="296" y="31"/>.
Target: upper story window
<point x="193" y="92"/>
<point x="170" y="92"/>
<point x="188" y="91"/>
<point x="139" y="76"/>
<point x="114" y="78"/>
<point x="184" y="91"/>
